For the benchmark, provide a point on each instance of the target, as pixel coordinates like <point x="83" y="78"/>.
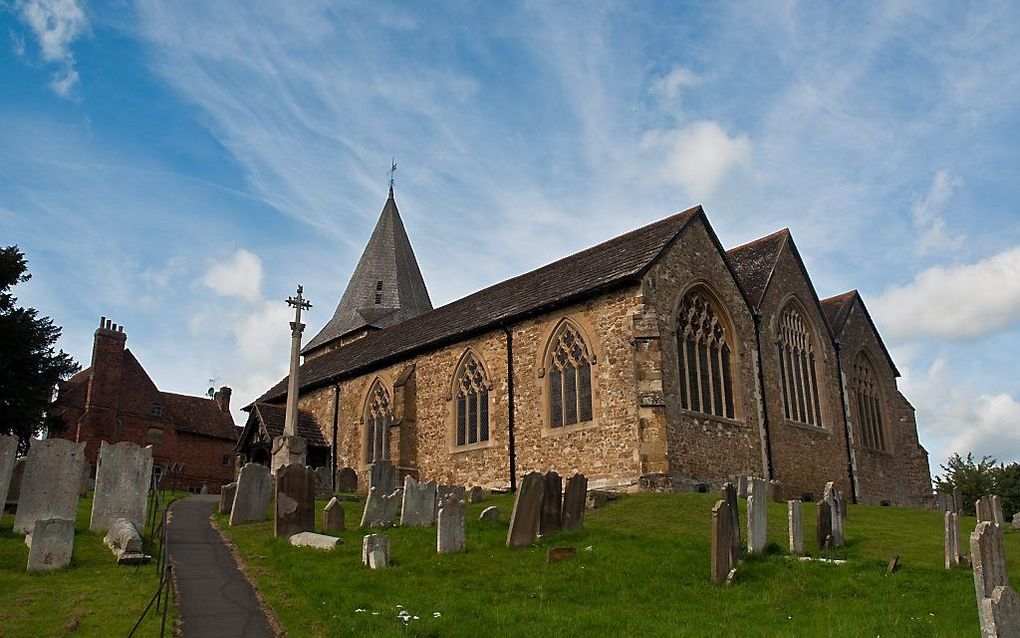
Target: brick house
<point x="655" y="360"/>
<point x="114" y="400"/>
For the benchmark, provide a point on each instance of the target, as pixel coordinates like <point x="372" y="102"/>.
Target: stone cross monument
<point x="291" y="448"/>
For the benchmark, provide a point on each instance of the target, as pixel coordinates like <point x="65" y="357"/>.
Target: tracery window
<point x="797" y="369"/>
<point x="378" y="416"/>
<point x="704" y="356"/>
<point x="472" y="402"/>
<point x="569" y="363"/>
<point x="868" y="402"/>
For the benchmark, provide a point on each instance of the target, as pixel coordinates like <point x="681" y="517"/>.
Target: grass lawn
<point x="641" y="570"/>
<point x="93" y="597"/>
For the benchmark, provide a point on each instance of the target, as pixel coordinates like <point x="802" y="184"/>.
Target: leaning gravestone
<point x="574" y="500"/>
<point x="757" y="499"/>
<point x="123" y="475"/>
<point x="524" y="520"/>
<point x="450" y="534"/>
<point x="333" y="516"/>
<point x="227" y="493"/>
<point x="49" y="488"/>
<point x="254" y="492"/>
<point x="722" y="542"/>
<point x="742" y="486"/>
<point x="383" y="477"/>
<point x="375" y="551"/>
<point x="729" y="494"/>
<point x="52" y="544"/>
<point x="796" y="527"/>
<point x="952" y="531"/>
<point x="418" y="507"/>
<point x="295" y="500"/>
<point x="14" y="491"/>
<point x="997" y="516"/>
<point x="8" y="458"/>
<point x="552" y="504"/>
<point x="382" y="510"/>
<point x="490" y="513"/>
<point x="998" y="605"/>
<point x="823" y="524"/>
<point x="832" y="496"/>
<point x="346" y="480"/>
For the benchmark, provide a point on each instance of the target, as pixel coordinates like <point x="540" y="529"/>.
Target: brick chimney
<point x="107" y="363"/>
<point x="222" y="398"/>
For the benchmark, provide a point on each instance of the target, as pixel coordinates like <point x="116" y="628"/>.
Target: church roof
<point x="386" y="287"/>
<point x="612" y="263"/>
<point x="837" y="311"/>
<point x="754" y="262"/>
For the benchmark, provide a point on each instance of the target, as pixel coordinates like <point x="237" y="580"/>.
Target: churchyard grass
<point x="642" y="569"/>
<point x="93" y="597"/>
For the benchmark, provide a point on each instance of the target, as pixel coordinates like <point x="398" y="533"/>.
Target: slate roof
<point x="387" y="272"/>
<point x="200" y="415"/>
<point x="753" y="263"/>
<point x="610" y="264"/>
<point x="837" y="311"/>
<point x="274" y="417"/>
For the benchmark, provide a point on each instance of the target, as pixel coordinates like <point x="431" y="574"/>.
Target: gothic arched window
<point x="704" y="356"/>
<point x="569" y="363"/>
<point x="378" y="416"/>
<point x="868" y="402"/>
<point x="472" y="395"/>
<point x="797" y="368"/>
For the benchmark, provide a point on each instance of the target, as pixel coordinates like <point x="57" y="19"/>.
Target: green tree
<point x="30" y="367"/>
<point x="974" y="479"/>
<point x="1007" y="486"/>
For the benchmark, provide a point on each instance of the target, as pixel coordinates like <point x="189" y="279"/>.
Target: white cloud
<point x="699" y="155"/>
<point x="670" y="85"/>
<point x="239" y="277"/>
<point x="954" y="302"/>
<point x="928" y="214"/>
<point x="56" y="24"/>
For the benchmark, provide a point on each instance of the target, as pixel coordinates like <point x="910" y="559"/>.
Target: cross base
<point x="289" y="449"/>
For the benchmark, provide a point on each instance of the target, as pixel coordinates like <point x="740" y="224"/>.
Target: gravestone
<point x="333" y="516"/>
<point x="823" y="524"/>
<point x="793" y="517"/>
<point x="418" y="506"/>
<point x="998" y="605"/>
<point x="1016" y="521"/>
<point x="254" y="492"/>
<point x="227" y="493"/>
<point x="316" y="541"/>
<point x="490" y="513"/>
<point x="832" y="496"/>
<point x="14" y="489"/>
<point x="8" y="459"/>
<point x="757" y="499"/>
<point x="295" y="500"/>
<point x="346" y="480"/>
<point x="49" y="488"/>
<point x="574" y="500"/>
<point x="323" y="482"/>
<point x="382" y="476"/>
<point x="524" y="520"/>
<point x="729" y="494"/>
<point x="125" y="542"/>
<point x="944" y="503"/>
<point x="775" y="491"/>
<point x="382" y="510"/>
<point x="983" y="509"/>
<point x="375" y="551"/>
<point x="952" y="538"/>
<point x="742" y="486"/>
<point x="52" y="544"/>
<point x="123" y="474"/>
<point x="477" y="494"/>
<point x="444" y="492"/>
<point x="552" y="504"/>
<point x="450" y="532"/>
<point x="722" y="542"/>
<point x="997" y="516"/>
<point x="957" y="500"/>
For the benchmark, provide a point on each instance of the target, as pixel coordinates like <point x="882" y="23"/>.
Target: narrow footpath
<point x="215" y="599"/>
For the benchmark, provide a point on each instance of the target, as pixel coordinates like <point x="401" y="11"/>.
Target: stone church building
<point x="655" y="360"/>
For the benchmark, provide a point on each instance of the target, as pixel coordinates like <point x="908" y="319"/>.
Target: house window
<point x="797" y="365"/>
<point x="377" y="423"/>
<point x="472" y="390"/>
<point x="156" y="409"/>
<point x="569" y="363"/>
<point x="868" y="403"/>
<point x="227" y="458"/>
<point x="704" y="357"/>
<point x="155" y="436"/>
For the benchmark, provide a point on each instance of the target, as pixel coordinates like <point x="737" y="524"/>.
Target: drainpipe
<point x="336" y="421"/>
<point x="846" y="425"/>
<point x="512" y="456"/>
<point x="761" y="390"/>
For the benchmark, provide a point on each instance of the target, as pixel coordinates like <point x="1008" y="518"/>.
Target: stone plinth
<point x="295" y="500"/>
<point x="254" y="493"/>
<point x="524" y="520"/>
<point x="289" y="450"/>
<point x="418" y="506"/>
<point x="49" y="488"/>
<point x="333" y="517"/>
<point x="52" y="544"/>
<point x="450" y="531"/>
<point x="123" y="475"/>
<point x="316" y="541"/>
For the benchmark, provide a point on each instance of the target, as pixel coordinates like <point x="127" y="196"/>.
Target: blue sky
<point x="180" y="166"/>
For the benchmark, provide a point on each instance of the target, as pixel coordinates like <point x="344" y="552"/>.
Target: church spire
<point x="386" y="287"/>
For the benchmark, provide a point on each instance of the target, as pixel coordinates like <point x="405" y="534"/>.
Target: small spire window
<point x="378" y="293"/>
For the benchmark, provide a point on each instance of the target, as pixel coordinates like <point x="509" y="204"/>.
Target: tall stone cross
<point x="298" y="303"/>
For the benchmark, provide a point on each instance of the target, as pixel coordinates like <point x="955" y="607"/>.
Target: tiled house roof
<point x="273" y="418"/>
<point x="753" y="263"/>
<point x="199" y="415"/>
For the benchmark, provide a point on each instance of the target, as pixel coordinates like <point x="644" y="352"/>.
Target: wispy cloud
<point x="56" y="24"/>
<point x="929" y="215"/>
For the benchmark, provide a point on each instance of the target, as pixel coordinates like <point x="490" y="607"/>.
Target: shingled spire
<point x="386" y="287"/>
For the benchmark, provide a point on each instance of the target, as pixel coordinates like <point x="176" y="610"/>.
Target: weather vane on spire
<point x="393" y="169"/>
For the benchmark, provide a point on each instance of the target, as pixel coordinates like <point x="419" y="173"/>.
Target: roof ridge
<point x="761" y="240"/>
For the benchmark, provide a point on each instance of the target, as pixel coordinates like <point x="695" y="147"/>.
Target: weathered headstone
<point x="757" y="499"/>
<point x="957" y="500"/>
<point x="49" y="488"/>
<point x="944" y="503"/>
<point x="983" y="509"/>
<point x="722" y="542"/>
<point x="552" y="504"/>
<point x="8" y="458"/>
<point x="346" y="480"/>
<point x="316" y="541"/>
<point x="729" y="494"/>
<point x="793" y="517"/>
<point x="52" y="544"/>
<point x="333" y="516"/>
<point x="742" y="486"/>
<point x="997" y="516"/>
<point x="952" y="537"/>
<point x="450" y="531"/>
<point x="418" y="507"/>
<point x="227" y="493"/>
<point x="295" y="500"/>
<point x="382" y="510"/>
<point x="998" y="605"/>
<point x="574" y="499"/>
<point x="490" y="513"/>
<point x="444" y="492"/>
<point x="254" y="493"/>
<point x="823" y="524"/>
<point x="382" y="476"/>
<point x="524" y="520"/>
<point x="123" y="474"/>
<point x="375" y="551"/>
<point x="894" y="564"/>
<point x="476" y="495"/>
<point x="775" y="491"/>
<point x="832" y="496"/>
<point x="323" y="482"/>
<point x="125" y="542"/>
<point x="14" y="489"/>
<point x="1016" y="521"/>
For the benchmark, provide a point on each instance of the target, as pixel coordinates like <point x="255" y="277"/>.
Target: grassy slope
<point x="94" y="597"/>
<point x="642" y="569"/>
